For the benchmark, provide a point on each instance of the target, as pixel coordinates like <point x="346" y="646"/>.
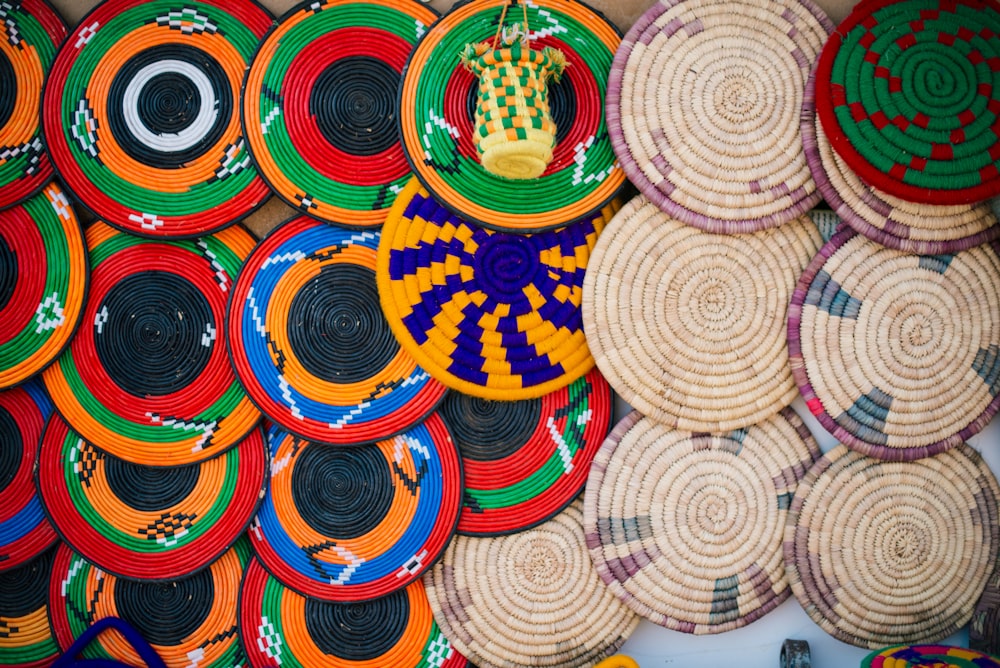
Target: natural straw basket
<point x="984" y="627"/>
<point x="893" y="222"/>
<point x="687" y="326"/>
<point x="897" y="354"/>
<point x="892" y="552"/>
<point x="529" y="599"/>
<point x="24" y="595"/>
<point x="928" y="656"/>
<point x="686" y="529"/>
<point x="703" y="107"/>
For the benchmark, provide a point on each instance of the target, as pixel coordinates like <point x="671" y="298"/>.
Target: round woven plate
<point x="141" y="114"/>
<point x="703" y="109"/>
<point x="880" y="553"/>
<point x="689" y="327"/>
<point x="43" y="282"/>
<point x="24" y="531"/>
<point x="311" y="345"/>
<point x="438" y="104"/>
<point x="908" y="226"/>
<point x="24" y="622"/>
<point x="491" y="314"/>
<point x="321" y="104"/>
<point x="524" y="461"/>
<point x="984" y="627"/>
<point x="190" y="620"/>
<point x="897" y="354"/>
<point x="928" y="656"/>
<point x="147" y="377"/>
<point x="350" y="524"/>
<point x="906" y="93"/>
<point x="529" y="599"/>
<point x="147" y="522"/>
<point x="686" y="529"/>
<point x="30" y="31"/>
<point x="280" y="627"/>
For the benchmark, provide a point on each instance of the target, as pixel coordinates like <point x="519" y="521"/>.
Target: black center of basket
<point x="165" y="613"/>
<point x="168" y="102"/>
<point x="562" y="105"/>
<point x="11" y="448"/>
<point x="336" y="326"/>
<point x="8" y="273"/>
<point x="8" y="89"/>
<point x="155" y="325"/>
<point x="26" y="588"/>
<point x="150" y="488"/>
<point x="355" y="104"/>
<point x="340" y="492"/>
<point x="358" y="631"/>
<point x="486" y="430"/>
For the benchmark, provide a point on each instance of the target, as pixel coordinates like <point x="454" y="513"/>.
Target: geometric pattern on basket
<point x="138" y="521"/>
<point x="281" y="627"/>
<point x="906" y="92"/>
<point x="322" y="102"/>
<point x="311" y="345"/>
<point x="686" y="529"/>
<point x="355" y="523"/>
<point x="147" y="377"/>
<point x="914" y="227"/>
<point x="26" y="639"/>
<point x="505" y="601"/>
<point x="897" y="355"/>
<point x="688" y="326"/>
<point x="491" y="314"/>
<point x="703" y="109"/>
<point x="30" y="32"/>
<point x="190" y="621"/>
<point x="141" y="114"/>
<point x="439" y="107"/>
<point x="882" y="552"/>
<point x="43" y="282"/>
<point x="925" y="656"/>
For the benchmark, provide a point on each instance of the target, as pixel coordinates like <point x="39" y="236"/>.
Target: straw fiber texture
<point x="984" y="627"/>
<point x="687" y="326"/>
<point x="686" y="529"/>
<point x="881" y="553"/>
<point x="703" y="107"/>
<point x="928" y="656"/>
<point x="897" y="354"/>
<point x="528" y="599"/>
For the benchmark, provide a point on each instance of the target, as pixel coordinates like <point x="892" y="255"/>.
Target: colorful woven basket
<point x="908" y="226"/>
<point x="529" y="599"/>
<point x="187" y="621"/>
<point x="897" y="354"/>
<point x="27" y="640"/>
<point x="906" y="93"/>
<point x="141" y="114"/>
<point x="686" y="529"/>
<point x="524" y="461"/>
<point x="147" y="377"/>
<point x="280" y="627"/>
<point x="928" y="656"/>
<point x="24" y="531"/>
<point x="311" y="345"/>
<point x="355" y="523"/>
<point x="703" y="109"/>
<point x="321" y="106"/>
<point x="439" y="99"/>
<point x="882" y="552"/>
<point x="30" y="32"/>
<point x="688" y="326"/>
<point x="139" y="521"/>
<point x="43" y="281"/>
<point x="491" y="314"/>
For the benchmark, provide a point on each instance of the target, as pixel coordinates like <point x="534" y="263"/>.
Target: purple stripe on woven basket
<point x="893" y="234"/>
<point x="808" y="393"/>
<point x="612" y="105"/>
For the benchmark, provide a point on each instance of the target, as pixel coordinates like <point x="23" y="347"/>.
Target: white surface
<point x="759" y="644"/>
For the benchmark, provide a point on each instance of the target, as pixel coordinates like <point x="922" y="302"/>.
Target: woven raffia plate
<point x="686" y="529"/>
<point x="928" y="656"/>
<point x="687" y="326"/>
<point x="703" y="109"/>
<point x="881" y="553"/>
<point x="897" y="355"/>
<point x="24" y="595"/>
